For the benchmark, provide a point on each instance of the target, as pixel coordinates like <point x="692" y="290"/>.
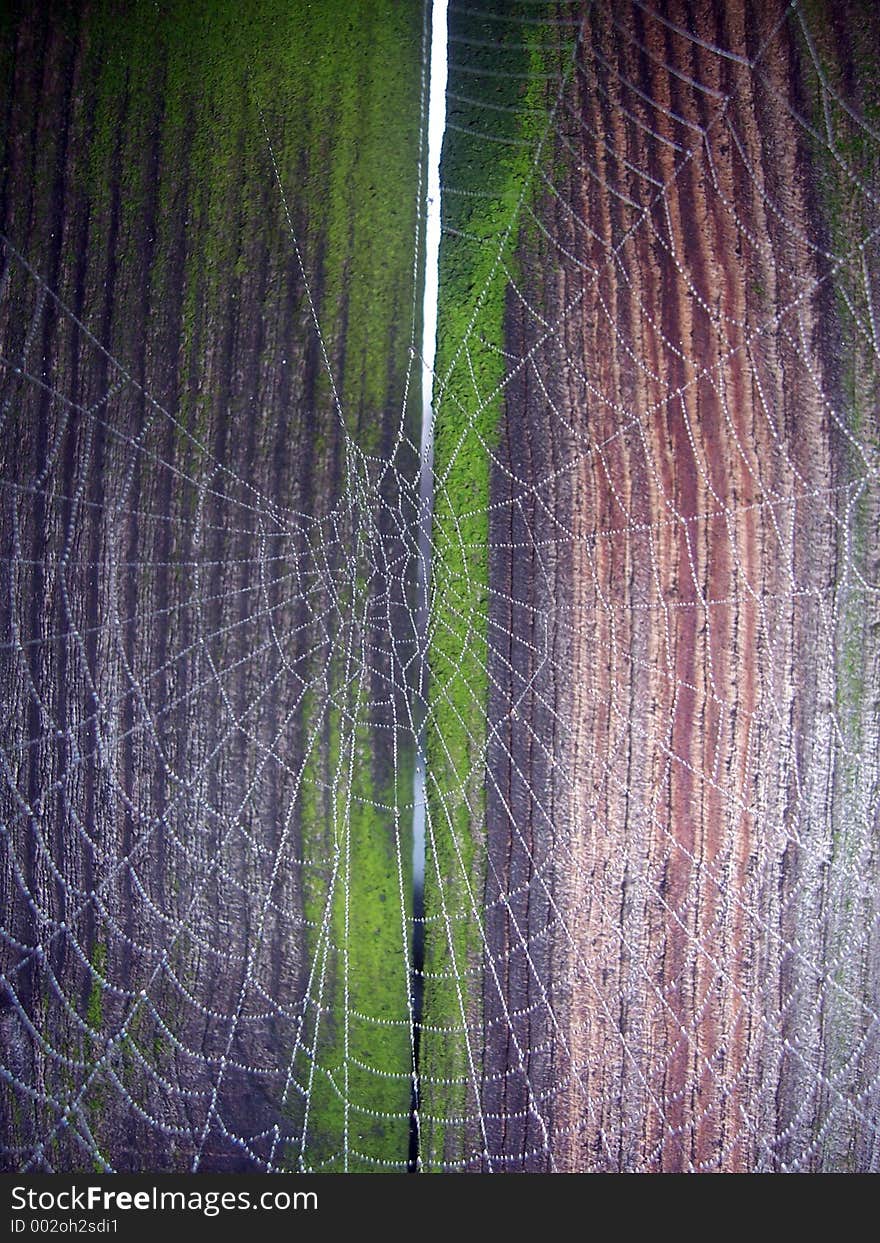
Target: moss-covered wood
<point x="204" y="723"/>
<point x="652" y="886"/>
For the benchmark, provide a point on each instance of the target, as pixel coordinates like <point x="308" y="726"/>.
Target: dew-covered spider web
<point x="640" y="698"/>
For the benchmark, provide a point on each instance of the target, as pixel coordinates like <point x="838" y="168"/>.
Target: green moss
<point x="359" y="854"/>
<point x="336" y="88"/>
<point x="172" y="157"/>
<point x="487" y="225"/>
<point x="92" y="1104"/>
<point x="95" y="1008"/>
<point x="846" y="161"/>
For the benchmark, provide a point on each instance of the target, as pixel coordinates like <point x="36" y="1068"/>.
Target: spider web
<point x="649" y="719"/>
<point x="654" y="758"/>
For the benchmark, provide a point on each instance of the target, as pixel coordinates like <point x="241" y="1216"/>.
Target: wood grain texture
<point x="682" y="747"/>
<point x="185" y="572"/>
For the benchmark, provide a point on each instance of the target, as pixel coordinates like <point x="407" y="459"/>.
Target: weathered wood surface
<point x="187" y="588"/>
<point x="651" y="887"/>
<point x="680" y="957"/>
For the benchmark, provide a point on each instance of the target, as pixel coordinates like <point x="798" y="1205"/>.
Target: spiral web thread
<point x="651" y="925"/>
